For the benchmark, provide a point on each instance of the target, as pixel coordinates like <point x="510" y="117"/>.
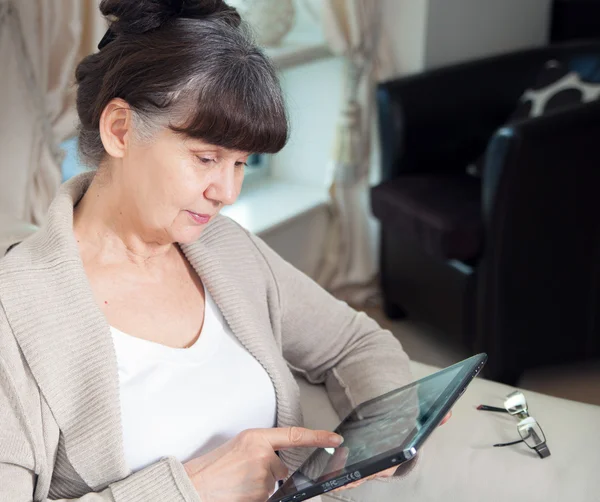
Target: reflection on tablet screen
<point x="378" y="427"/>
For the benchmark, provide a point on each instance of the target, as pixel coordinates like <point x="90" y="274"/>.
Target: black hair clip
<point x="108" y="37"/>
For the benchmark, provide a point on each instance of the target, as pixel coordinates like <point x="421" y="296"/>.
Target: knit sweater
<point x="60" y="429"/>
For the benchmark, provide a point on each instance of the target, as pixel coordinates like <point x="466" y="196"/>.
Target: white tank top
<point x="186" y="402"/>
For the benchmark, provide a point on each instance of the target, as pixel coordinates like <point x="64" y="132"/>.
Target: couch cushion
<point x="459" y="462"/>
<point x="442" y="213"/>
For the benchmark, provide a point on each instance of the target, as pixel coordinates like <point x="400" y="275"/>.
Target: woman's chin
<point x="188" y="235"/>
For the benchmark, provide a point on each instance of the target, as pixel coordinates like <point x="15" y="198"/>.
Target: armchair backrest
<point x="442" y="120"/>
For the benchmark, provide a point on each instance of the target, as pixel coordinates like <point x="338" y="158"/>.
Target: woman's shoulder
<point x="225" y="223"/>
<point x="10" y="259"/>
<point x="13" y="231"/>
<point x="12" y="362"/>
<point x="226" y="234"/>
<point x="16" y="256"/>
<point x="234" y="245"/>
<point x="229" y="237"/>
<point x="9" y="348"/>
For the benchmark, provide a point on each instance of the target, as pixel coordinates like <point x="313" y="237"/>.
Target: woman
<point x="146" y="342"/>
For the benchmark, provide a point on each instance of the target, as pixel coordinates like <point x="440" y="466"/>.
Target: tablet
<point x="381" y="433"/>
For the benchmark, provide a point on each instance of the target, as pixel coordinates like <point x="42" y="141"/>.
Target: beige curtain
<point x="349" y="265"/>
<point x="40" y="44"/>
<point x="94" y="27"/>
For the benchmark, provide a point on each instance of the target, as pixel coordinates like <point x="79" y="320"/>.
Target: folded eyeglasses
<point x="530" y="431"/>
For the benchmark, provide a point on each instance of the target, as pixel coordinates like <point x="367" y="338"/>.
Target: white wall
<point x="459" y="30"/>
<point x="314" y="94"/>
<point x="405" y="22"/>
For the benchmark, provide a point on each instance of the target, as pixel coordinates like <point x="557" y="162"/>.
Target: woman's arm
<point x="329" y="342"/>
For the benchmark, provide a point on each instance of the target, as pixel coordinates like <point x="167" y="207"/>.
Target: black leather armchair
<point x="509" y="264"/>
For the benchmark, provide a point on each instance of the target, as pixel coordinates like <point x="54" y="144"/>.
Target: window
<point x="71" y="165"/>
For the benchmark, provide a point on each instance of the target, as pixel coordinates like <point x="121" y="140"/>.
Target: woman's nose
<point x="223" y="187"/>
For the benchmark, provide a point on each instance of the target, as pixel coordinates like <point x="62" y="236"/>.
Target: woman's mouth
<point x="199" y="219"/>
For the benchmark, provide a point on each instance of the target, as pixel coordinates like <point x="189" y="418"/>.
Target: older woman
<point x="147" y="343"/>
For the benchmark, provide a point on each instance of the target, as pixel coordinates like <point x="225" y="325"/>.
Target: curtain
<point x="40" y="45"/>
<point x="349" y="265"/>
<point x="94" y="27"/>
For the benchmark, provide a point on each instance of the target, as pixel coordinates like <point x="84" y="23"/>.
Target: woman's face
<point x="173" y="186"/>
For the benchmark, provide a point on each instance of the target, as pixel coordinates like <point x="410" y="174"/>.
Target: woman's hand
<point x="246" y="468"/>
<point x="388" y="473"/>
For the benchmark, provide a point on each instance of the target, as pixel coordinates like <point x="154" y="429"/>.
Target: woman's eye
<point x="241" y="164"/>
<point x="206" y="160"/>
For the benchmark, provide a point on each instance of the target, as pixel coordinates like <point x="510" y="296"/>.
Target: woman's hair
<point x="190" y="65"/>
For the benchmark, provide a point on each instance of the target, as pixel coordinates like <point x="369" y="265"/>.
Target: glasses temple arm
<point x="485" y="407"/>
<point x="509" y="444"/>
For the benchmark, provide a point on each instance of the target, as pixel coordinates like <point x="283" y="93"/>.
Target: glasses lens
<point x="531" y="432"/>
<point x="515" y="403"/>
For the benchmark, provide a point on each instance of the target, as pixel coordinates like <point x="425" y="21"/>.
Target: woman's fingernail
<point x="337" y="439"/>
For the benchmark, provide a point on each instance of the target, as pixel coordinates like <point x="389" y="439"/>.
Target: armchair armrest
<point x="539" y="280"/>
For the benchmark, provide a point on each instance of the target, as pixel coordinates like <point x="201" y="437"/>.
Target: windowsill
<point x="272" y="203"/>
<point x="296" y="53"/>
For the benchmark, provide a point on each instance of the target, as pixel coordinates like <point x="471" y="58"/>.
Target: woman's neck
<point x="106" y="225"/>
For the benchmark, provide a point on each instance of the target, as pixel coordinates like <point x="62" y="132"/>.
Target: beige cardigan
<point x="60" y="430"/>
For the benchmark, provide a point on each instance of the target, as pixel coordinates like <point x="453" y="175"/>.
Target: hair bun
<point x="140" y="16"/>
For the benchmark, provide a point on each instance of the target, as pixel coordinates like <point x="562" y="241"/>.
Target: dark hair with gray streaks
<point x="193" y="68"/>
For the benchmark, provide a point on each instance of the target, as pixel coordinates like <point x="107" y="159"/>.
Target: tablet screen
<point x="390" y="423"/>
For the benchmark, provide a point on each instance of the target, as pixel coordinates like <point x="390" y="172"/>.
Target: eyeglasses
<point x="530" y="431"/>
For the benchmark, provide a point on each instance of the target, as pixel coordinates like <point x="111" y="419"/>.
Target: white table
<point x="460" y="464"/>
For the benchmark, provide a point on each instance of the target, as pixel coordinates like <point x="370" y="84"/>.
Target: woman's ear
<point x="115" y="127"/>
